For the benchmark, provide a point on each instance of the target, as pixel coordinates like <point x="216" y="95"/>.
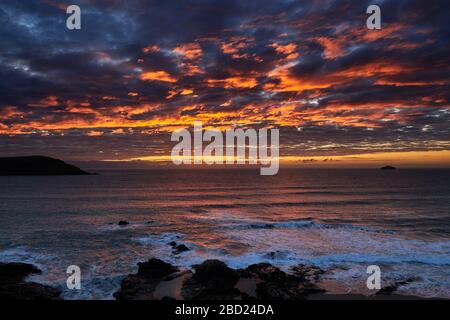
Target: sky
<point x="137" y="70"/>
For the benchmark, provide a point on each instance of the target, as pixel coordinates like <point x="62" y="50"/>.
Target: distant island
<point x="37" y="166"/>
<point x="388" y="168"/>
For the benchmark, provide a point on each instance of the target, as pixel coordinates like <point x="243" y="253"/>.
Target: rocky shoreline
<point x="214" y="280"/>
<point x="210" y="280"/>
<point x="14" y="286"/>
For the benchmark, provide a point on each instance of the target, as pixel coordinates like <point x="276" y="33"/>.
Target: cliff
<point x="36" y="166"/>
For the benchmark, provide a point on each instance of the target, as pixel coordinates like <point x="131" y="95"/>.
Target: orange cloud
<point x="372" y="160"/>
<point x="287" y="82"/>
<point x="9" y="112"/>
<point x="333" y="48"/>
<point x="183" y="92"/>
<point x="190" y="51"/>
<point x="151" y="48"/>
<point x="377" y="159"/>
<point x="388" y="31"/>
<point x="109" y="98"/>
<point x="235" y="44"/>
<point x="118" y="131"/>
<point x="157" y="76"/>
<point x="234" y="82"/>
<point x="186" y="92"/>
<point x="288" y="50"/>
<point x="50" y="101"/>
<point x="94" y="133"/>
<point x="60" y="6"/>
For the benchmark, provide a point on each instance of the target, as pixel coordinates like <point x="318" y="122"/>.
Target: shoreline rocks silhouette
<point x="37" y="166"/>
<point x="210" y="280"/>
<point x="388" y="168"/>
<point x="214" y="280"/>
<point x="13" y="284"/>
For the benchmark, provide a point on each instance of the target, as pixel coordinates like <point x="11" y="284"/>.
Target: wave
<point x="296" y="204"/>
<point x="97" y="288"/>
<point x="162" y="239"/>
<point x="24" y="255"/>
<point x="286" y="259"/>
<point x="303" y="223"/>
<point x="408" y="258"/>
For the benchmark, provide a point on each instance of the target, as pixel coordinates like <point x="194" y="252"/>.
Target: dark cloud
<point x="135" y="68"/>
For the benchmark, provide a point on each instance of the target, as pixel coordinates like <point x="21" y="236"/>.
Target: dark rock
<point x="246" y="296"/>
<point x="180" y="248"/>
<point x="388" y="168"/>
<point x="276" y="254"/>
<point x="388" y="290"/>
<point x="212" y="280"/>
<point x="29" y="291"/>
<point x="177" y="275"/>
<point x="36" y="166"/>
<point x="16" y="272"/>
<point x="215" y="273"/>
<point x="195" y="291"/>
<point x="263" y="271"/>
<point x="155" y="268"/>
<point x="141" y="286"/>
<point x="12" y="285"/>
<point x="172" y="244"/>
<point x="308" y="273"/>
<point x="123" y="223"/>
<point x="135" y="287"/>
<point x="275" y="284"/>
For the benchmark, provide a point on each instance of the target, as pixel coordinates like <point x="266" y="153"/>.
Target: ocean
<point x="342" y="220"/>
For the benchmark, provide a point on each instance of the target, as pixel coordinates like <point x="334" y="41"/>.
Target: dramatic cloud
<point x="138" y="69"/>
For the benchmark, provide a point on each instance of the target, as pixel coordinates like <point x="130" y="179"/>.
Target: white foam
<point x="288" y="243"/>
<point x="25" y="255"/>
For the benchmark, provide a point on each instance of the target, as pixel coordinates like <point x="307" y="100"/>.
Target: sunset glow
<point x="334" y="88"/>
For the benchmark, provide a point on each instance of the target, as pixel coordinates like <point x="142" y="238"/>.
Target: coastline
<point x="210" y="280"/>
<point x="299" y="218"/>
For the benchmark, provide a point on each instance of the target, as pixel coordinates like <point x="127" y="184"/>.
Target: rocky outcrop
<point x="307" y="273"/>
<point x="36" y="166"/>
<point x="392" y="288"/>
<point x="178" y="248"/>
<point x="388" y="168"/>
<point x="214" y="280"/>
<point x="13" y="285"/>
<point x="14" y="272"/>
<point x="274" y="284"/>
<point x="156" y="268"/>
<point x="141" y="286"/>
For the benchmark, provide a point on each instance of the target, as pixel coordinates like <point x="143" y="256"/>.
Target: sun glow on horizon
<point x="402" y="159"/>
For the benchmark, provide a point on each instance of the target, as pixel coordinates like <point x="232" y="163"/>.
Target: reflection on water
<point x="340" y="220"/>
